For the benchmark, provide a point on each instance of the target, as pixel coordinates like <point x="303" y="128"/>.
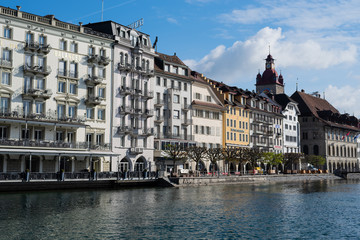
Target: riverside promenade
<point x="114" y="183"/>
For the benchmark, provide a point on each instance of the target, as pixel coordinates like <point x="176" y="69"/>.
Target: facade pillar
<point x="41" y="165"/>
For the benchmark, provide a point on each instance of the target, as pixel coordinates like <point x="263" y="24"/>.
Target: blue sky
<point x="315" y="43"/>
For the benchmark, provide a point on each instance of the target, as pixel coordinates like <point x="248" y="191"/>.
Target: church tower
<point x="269" y="81"/>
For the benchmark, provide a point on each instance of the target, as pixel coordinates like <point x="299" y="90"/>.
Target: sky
<point x="315" y="44"/>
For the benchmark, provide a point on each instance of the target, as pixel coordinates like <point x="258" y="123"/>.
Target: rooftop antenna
<point x="102" y="10"/>
<point x="269" y="49"/>
<point x="297" y="79"/>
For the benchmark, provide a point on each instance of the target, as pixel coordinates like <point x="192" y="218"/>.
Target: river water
<point x="300" y="210"/>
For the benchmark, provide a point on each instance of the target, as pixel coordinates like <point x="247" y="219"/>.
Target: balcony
<point x="148" y="113"/>
<point x="125" y="90"/>
<point x="48" y="116"/>
<point x="93" y="80"/>
<point x="93" y="59"/>
<point x="104" y="60"/>
<point x="179" y="136"/>
<point x="53" y="144"/>
<point x="148" y="94"/>
<point x="37" y="70"/>
<point x="125" y="110"/>
<point x="92" y="100"/>
<point x="37" y="93"/>
<point x="159" y="102"/>
<point x="123" y="130"/>
<point x="136" y="150"/>
<point x="187" y="122"/>
<point x="260" y="120"/>
<point x="149" y="132"/>
<point x="159" y="119"/>
<point x="36" y="47"/>
<point x="5" y="63"/>
<point x="136" y="111"/>
<point x="125" y="67"/>
<point x="185" y="107"/>
<point x="137" y="92"/>
<point x="68" y="74"/>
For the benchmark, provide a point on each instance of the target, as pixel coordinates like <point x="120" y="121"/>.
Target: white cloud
<point x="344" y="98"/>
<point x="243" y="58"/>
<point x="172" y="20"/>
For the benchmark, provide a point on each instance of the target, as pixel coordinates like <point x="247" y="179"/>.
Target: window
<point x="3" y="132"/>
<point x="29" y="38"/>
<point x="208" y="98"/>
<point x="61" y="111"/>
<point x="101" y="114"/>
<point x="72" y="88"/>
<point x="207" y="114"/>
<point x="5" y="78"/>
<point x="7" y="33"/>
<point x="102" y="53"/>
<point x="185" y="86"/>
<point x="5" y="107"/>
<point x="176" y="130"/>
<point x="73" y="70"/>
<point x="38" y="134"/>
<point x="39" y="107"/>
<point x="99" y="139"/>
<point x="101" y="92"/>
<point x="61" y="87"/>
<point x="27" y="84"/>
<point x="60" y="136"/>
<point x="208" y="130"/>
<point x="167" y="68"/>
<point x="202" y="130"/>
<point x="294" y="127"/>
<point x="63" y="45"/>
<point x="6" y="55"/>
<point x="62" y="68"/>
<point x="101" y="73"/>
<point x="40" y="83"/>
<point x="158" y="81"/>
<point x="177" y="114"/>
<point x="42" y="41"/>
<point x="73" y="47"/>
<point x="90" y="71"/>
<point x="91" y="51"/>
<point x="165" y="82"/>
<point x="216" y="115"/>
<point x="26" y="107"/>
<point x="172" y="84"/>
<point x="286" y="126"/>
<point x="176" y="98"/>
<point x="72" y="111"/>
<point x="198" y="96"/>
<point x="179" y="85"/>
<point x="90" y="113"/>
<point x="175" y="69"/>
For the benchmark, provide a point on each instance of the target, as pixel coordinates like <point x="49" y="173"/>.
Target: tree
<point x="176" y="153"/>
<point x="273" y="159"/>
<point x="196" y="154"/>
<point x="290" y="159"/>
<point x="230" y="154"/>
<point x="252" y="156"/>
<point x="315" y="160"/>
<point x="214" y="155"/>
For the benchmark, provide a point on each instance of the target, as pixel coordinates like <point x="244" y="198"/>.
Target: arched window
<point x="122" y="58"/>
<point x="306" y="149"/>
<point x="147" y="65"/>
<point x="126" y="59"/>
<point x="329" y="150"/>
<point x="316" y="150"/>
<point x="143" y="64"/>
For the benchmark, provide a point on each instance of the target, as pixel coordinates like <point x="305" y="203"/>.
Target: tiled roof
<point x="283" y="100"/>
<point x="170" y="58"/>
<point x="310" y="105"/>
<point x="207" y="104"/>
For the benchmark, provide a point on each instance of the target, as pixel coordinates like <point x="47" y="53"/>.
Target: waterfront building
<point x="207" y="117"/>
<point x="132" y="108"/>
<point x="326" y="132"/>
<point x="291" y="125"/>
<point x="266" y="123"/>
<point x="172" y="107"/>
<point x="55" y="88"/>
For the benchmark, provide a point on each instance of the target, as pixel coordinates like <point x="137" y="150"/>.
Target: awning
<point x="58" y="152"/>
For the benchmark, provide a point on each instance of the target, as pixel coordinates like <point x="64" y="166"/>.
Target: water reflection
<point x="306" y="210"/>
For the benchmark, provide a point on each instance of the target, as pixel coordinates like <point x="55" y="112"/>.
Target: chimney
<point x="18" y="8"/>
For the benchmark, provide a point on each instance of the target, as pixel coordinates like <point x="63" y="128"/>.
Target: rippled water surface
<point x="312" y="210"/>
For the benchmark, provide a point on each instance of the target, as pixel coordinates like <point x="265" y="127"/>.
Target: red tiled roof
<point x="170" y="58"/>
<point x="207" y="104"/>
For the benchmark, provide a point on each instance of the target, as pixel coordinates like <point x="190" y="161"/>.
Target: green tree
<point x="176" y="153"/>
<point x="252" y="156"/>
<point x="214" y="155"/>
<point x="230" y="154"/>
<point x="272" y="159"/>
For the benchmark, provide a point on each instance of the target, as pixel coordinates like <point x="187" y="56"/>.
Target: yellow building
<point x="236" y="122"/>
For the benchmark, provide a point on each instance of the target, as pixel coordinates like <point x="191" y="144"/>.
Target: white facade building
<point x="132" y="127"/>
<point x="172" y="105"/>
<point x="55" y="88"/>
